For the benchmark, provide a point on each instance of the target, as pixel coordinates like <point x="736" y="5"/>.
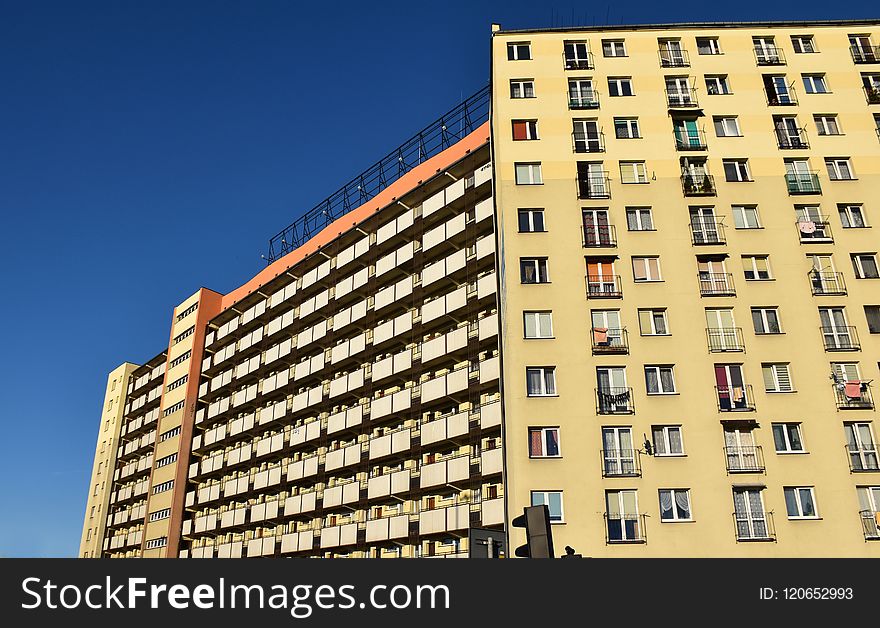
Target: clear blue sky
<point x="150" y="148"/>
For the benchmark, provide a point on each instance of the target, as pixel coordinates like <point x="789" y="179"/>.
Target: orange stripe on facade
<point x="405" y="184"/>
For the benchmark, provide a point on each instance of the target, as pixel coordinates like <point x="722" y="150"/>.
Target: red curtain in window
<point x="535" y="443"/>
<point x="520" y="130"/>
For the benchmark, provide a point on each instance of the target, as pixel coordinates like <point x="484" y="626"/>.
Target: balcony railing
<point x="582" y="143"/>
<point x="803" y="183"/>
<point x="870" y="524"/>
<point x="674" y="58"/>
<point x="735" y="398"/>
<point x="693" y="140"/>
<point x="744" y="459"/>
<point x="621" y="463"/>
<point x="682" y="98"/>
<point x="590" y="100"/>
<point x="814" y="230"/>
<point x="754" y="526"/>
<point x="600" y="236"/>
<point x="865" y="54"/>
<point x="853" y="396"/>
<point x="578" y="63"/>
<point x="827" y="283"/>
<point x="792" y="140"/>
<point x="614" y="400"/>
<point x="609" y="340"/>
<point x="840" y="338"/>
<point x="716" y="285"/>
<point x="706" y="232"/>
<point x="624" y="528"/>
<point x="769" y="55"/>
<point x="698" y="185"/>
<point x="862" y="459"/>
<point x="725" y="339"/>
<point x="872" y="94"/>
<point x="787" y="98"/>
<point x="594" y="185"/>
<point x="604" y="287"/>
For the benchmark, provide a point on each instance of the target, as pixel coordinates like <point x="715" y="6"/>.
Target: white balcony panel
<point x="492" y="511"/>
<point x="490" y="461"/>
<point x="484" y="209"/>
<point x="489" y="370"/>
<point x="488" y="326"/>
<point x="486" y="285"/>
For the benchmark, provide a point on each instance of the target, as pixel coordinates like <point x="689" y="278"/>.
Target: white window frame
<point x="531" y="212"/>
<point x="837" y="167"/>
<point x="846" y="209"/>
<point x="796" y="491"/>
<point x="531" y="129"/>
<point x="617" y="48"/>
<point x="813" y="81"/>
<point x="672" y="495"/>
<point x="639" y="212"/>
<point x="620" y="82"/>
<point x="665" y="431"/>
<point x="753" y="259"/>
<point x="652" y="313"/>
<point x="530" y="171"/>
<point x="633" y="132"/>
<point x="741" y="216"/>
<point x="798" y="41"/>
<point x="720" y="83"/>
<point x="827" y="124"/>
<point x="545" y="499"/>
<point x="786" y="433"/>
<point x="714" y="46"/>
<point x="540" y="263"/>
<point x="543" y="453"/>
<point x="543" y="371"/>
<point x="765" y="322"/>
<point x="658" y="369"/>
<point x="723" y="123"/>
<point x="859" y="268"/>
<point x="541" y="318"/>
<point x="516" y="46"/>
<point x="741" y="166"/>
<point x="637" y="171"/>
<point x="775" y="368"/>
<point x="523" y="86"/>
<point x="649" y="275"/>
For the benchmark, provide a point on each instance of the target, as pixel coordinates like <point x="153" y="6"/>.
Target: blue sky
<point x="150" y="148"/>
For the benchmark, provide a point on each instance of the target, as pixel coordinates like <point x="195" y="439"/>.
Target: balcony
<point x="682" y="98"/>
<point x="803" y="183"/>
<point x="600" y="236"/>
<point x="788" y="98"/>
<point x="693" y="140"/>
<point x="862" y="459"/>
<point x="604" y="287"/>
<point x="589" y="100"/>
<point x="872" y="94"/>
<point x="614" y="400"/>
<point x="795" y="139"/>
<point x="865" y="54"/>
<point x="582" y="143"/>
<point x="827" y="283"/>
<point x="698" y="185"/>
<point x="840" y="338"/>
<point x="705" y="232"/>
<point x="870" y="524"/>
<point x="621" y="463"/>
<point x="744" y="459"/>
<point x="716" y="285"/>
<point x="769" y="55"/>
<point x="624" y="528"/>
<point x="608" y="340"/>
<point x="754" y="527"/>
<point x="725" y="339"/>
<point x="735" y="398"/>
<point x="674" y="58"/>
<point x="814" y="230"/>
<point x="853" y="396"/>
<point x="577" y="63"/>
<point x="594" y="185"/>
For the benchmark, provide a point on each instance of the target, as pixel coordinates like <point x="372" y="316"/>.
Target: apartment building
<point x="689" y="285"/>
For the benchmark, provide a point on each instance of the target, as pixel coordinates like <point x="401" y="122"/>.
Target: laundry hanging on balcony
<point x="807" y="226"/>
<point x="853" y="389"/>
<point x="600" y="335"/>
<point x="614" y="398"/>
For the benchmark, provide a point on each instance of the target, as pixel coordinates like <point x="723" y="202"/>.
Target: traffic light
<point x="539" y="537"/>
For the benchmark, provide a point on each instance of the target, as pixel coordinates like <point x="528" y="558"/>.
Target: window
<point x="736" y="170"/>
<point x="581" y="94"/>
<point x="787" y="438"/>
<point x="639" y="219"/>
<point x="751" y="520"/>
<point x="533" y="270"/>
<point x="169" y="434"/>
<point x="192" y="308"/>
<point x="620" y="86"/>
<point x="519" y="51"/>
<point x="826" y="124"/>
<point x="156" y="543"/>
<point x="800" y="502"/>
<point x="626" y="128"/>
<point x="745" y="217"/>
<point x="861" y="446"/>
<point x="659" y="380"/>
<point x="727" y="126"/>
<point x="178" y="383"/>
<point x="531" y="220"/>
<point x="652" y="322"/>
<point x="172" y="409"/>
<point x="522" y="88"/>
<point x="667" y="440"/>
<point x="160" y="514"/>
<point x="164" y="486"/>
<point x="528" y="174"/>
<point x="183" y="357"/>
<point x="633" y="172"/>
<point x="756" y="267"/>
<point x="865" y="265"/>
<point x="622" y="515"/>
<point x="553" y="501"/>
<point x="777" y="377"/>
<point x="189" y="332"/>
<point x="541" y="381"/>
<point x="803" y="44"/>
<point x="538" y="324"/>
<point x="577" y="55"/>
<point x="872" y="314"/>
<point x="675" y="504"/>
<point x="839" y="169"/>
<point x="613" y="48"/>
<point x="766" y="320"/>
<point x="525" y="130"/>
<point x="708" y="46"/>
<point x="851" y="216"/>
<point x="717" y="85"/>
<point x="646" y="269"/>
<point x="815" y="84"/>
<point x="617" y="452"/>
<point x="544" y="442"/>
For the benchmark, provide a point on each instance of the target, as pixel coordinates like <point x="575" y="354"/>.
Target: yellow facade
<point x="594" y="465"/>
